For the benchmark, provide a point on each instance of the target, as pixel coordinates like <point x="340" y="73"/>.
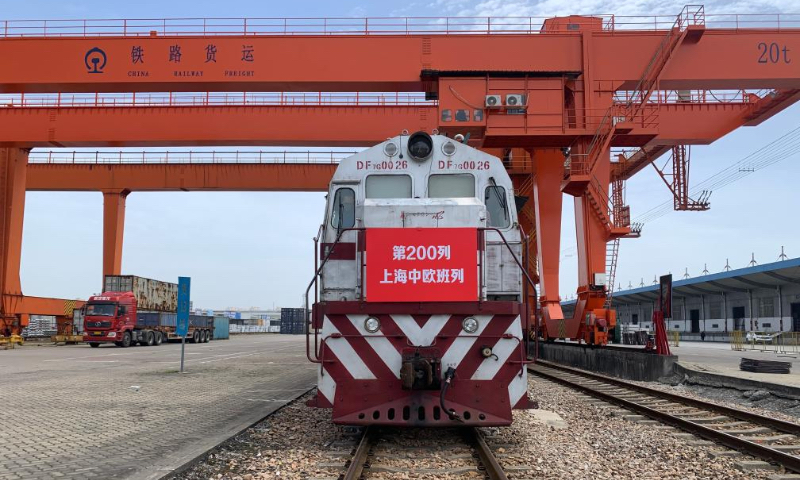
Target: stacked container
<point x="293" y="321"/>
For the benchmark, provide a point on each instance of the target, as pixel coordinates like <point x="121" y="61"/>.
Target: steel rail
<point x="773" y="423"/>
<point x="790" y="462"/>
<point x="493" y="469"/>
<point x="360" y="460"/>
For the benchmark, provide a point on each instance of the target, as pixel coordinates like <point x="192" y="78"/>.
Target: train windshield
<point x="388" y="186"/>
<point x="101" y="309"/>
<point x="496" y="205"/>
<point x="344" y="209"/>
<point x="454" y="185"/>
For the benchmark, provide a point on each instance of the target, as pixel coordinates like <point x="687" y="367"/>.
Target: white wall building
<point x="760" y="298"/>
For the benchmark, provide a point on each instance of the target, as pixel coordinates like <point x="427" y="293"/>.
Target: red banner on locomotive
<point x="422" y="265"/>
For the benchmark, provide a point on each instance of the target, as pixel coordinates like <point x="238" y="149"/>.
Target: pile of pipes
<point x="764" y="366"/>
<point x="40" y="326"/>
<point x="635" y="338"/>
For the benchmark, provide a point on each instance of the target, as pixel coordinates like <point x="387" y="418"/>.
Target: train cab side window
<point x="451" y="185"/>
<point x="388" y="186"/>
<point x="343" y="214"/>
<point x="497" y="207"/>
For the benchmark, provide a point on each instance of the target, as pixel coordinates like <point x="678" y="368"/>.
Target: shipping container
<point x="150" y="294"/>
<point x="156" y="319"/>
<point x="200" y="321"/>
<point x="292" y="314"/>
<point x="221" y="328"/>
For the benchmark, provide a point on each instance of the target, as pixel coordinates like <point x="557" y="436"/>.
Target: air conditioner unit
<point x="515" y="100"/>
<point x="493" y="101"/>
<point x="599" y="279"/>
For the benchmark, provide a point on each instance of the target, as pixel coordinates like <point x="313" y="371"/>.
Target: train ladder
<point x="528" y="212"/>
<point x="612" y="253"/>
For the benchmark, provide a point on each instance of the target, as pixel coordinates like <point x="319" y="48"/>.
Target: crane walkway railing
<point x="212" y="99"/>
<point x="266" y="26"/>
<point x="123" y="157"/>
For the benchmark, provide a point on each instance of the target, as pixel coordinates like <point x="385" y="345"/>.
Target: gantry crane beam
<point x="722" y="58"/>
<point x="293" y="177"/>
<point x="211" y="125"/>
<point x="709" y="122"/>
<point x="335" y="125"/>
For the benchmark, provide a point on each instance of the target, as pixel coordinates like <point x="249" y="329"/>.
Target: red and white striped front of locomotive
<point x="420" y="313"/>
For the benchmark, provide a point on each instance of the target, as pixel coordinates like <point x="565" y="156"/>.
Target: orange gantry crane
<point x="556" y="98"/>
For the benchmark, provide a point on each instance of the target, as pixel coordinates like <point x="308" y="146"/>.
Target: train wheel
<point x="158" y="338"/>
<point x="126" y="340"/>
<point x="94" y="344"/>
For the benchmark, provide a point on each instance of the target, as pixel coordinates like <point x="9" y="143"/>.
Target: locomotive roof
<point x="448" y="156"/>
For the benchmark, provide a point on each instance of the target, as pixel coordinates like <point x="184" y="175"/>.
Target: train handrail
<point x="527" y="277"/>
<point x="313" y="283"/>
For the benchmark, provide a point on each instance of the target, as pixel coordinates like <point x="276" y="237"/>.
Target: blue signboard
<point x="184" y="286"/>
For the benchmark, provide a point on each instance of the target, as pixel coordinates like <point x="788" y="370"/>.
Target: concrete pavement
<point x="78" y="412"/>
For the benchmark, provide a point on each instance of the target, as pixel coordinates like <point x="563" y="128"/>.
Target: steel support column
<point x="547" y="196"/>
<point x="13" y="168"/>
<point x="113" y="230"/>
<point x="592" y="236"/>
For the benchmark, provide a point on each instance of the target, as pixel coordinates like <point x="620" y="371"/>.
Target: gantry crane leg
<point x="113" y="230"/>
<point x="13" y="168"/>
<point x="548" y="173"/>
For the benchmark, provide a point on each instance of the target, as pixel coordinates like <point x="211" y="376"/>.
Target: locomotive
<point x="419" y="292"/>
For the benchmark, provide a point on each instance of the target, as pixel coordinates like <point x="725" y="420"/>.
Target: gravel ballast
<point x="299" y="442"/>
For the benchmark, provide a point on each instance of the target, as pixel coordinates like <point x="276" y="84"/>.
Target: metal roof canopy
<point x="769" y="275"/>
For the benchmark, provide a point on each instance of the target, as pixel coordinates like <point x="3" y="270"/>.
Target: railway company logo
<point x="95" y="60"/>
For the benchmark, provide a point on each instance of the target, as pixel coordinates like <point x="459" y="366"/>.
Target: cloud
<point x="357" y="12"/>
<point x="547" y="8"/>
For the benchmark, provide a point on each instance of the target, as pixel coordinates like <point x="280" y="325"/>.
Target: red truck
<point x="134" y="310"/>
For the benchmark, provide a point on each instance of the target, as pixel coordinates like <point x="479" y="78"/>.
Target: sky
<point x="255" y="249"/>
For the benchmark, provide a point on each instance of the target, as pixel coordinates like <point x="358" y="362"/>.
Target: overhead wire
<point x="779" y="149"/>
<point x="785" y="146"/>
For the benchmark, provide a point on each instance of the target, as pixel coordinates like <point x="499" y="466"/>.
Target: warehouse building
<point x="758" y="298"/>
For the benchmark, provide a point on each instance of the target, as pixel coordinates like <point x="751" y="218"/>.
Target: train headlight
<point x="372" y="324"/>
<point x="390" y="149"/>
<point x="470" y="325"/>
<point x="449" y="148"/>
<point x="420" y="146"/>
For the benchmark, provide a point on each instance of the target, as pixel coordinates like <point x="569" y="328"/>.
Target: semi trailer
<point x="134" y="310"/>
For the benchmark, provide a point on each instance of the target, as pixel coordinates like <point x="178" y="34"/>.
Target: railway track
<point x="437" y="452"/>
<point x="765" y="438"/>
